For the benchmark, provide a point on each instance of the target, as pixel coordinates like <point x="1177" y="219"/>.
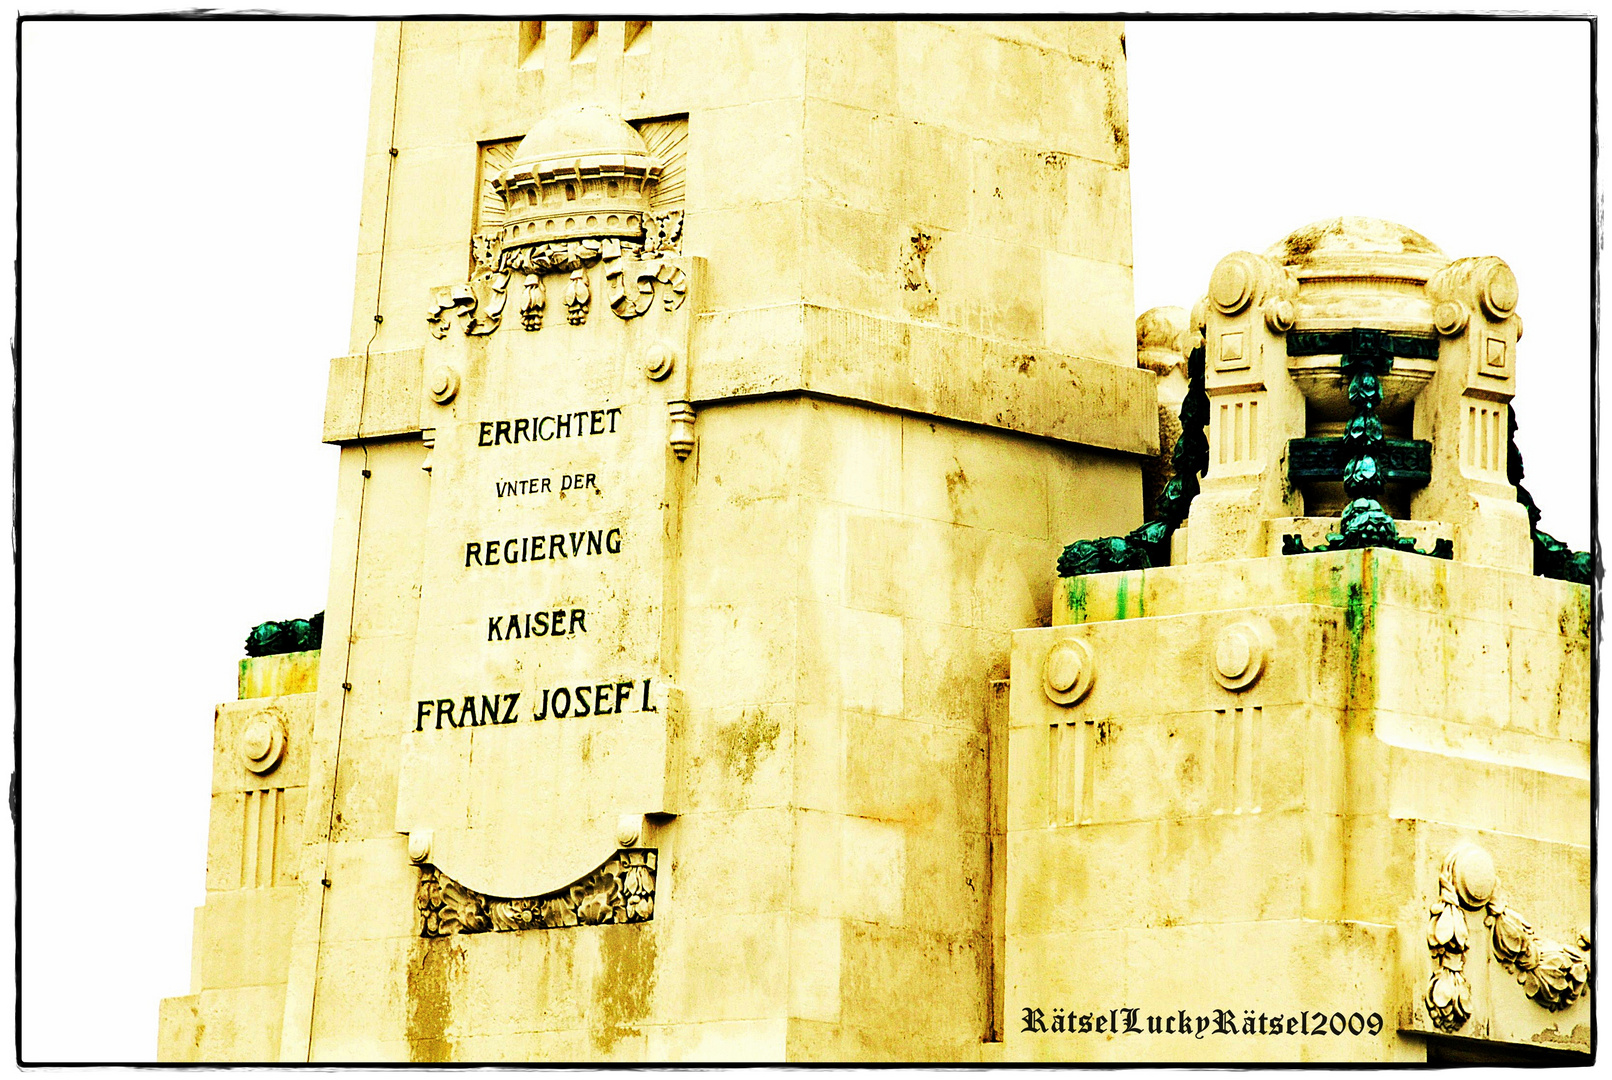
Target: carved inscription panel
<point x="541" y="700"/>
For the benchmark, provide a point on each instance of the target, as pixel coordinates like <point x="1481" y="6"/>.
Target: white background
<point x="190" y="208"/>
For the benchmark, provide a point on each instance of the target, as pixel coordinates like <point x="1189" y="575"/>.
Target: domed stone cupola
<point x="581" y="174"/>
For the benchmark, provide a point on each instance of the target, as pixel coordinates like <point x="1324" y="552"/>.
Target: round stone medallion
<point x="1449" y="318"/>
<point x="658" y="361"/>
<point x="420" y="846"/>
<point x="262" y="745"/>
<point x="1238" y="655"/>
<point x="1067" y="675"/>
<point x="444" y="384"/>
<point x="1499" y="293"/>
<point x="1473" y="874"/>
<point x="1231" y="286"/>
<point x="1280" y="315"/>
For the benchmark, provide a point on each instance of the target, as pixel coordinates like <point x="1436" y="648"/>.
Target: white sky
<point x="190" y="217"/>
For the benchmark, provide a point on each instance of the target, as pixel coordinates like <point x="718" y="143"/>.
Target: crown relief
<point x="584" y="188"/>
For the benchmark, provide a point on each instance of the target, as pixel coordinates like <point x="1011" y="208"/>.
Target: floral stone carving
<point x="1554" y="975"/>
<point x="620" y="891"/>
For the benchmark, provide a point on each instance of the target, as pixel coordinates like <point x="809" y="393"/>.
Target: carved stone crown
<point x="581" y="174"/>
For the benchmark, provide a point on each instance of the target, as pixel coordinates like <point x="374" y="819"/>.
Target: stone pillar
<point x="1467" y="402"/>
<point x="1254" y="407"/>
<point x="239" y="953"/>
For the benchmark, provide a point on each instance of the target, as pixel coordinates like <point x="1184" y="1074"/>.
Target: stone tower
<point x="719" y="397"/>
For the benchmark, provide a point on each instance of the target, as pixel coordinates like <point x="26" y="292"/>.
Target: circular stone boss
<point x="1067" y="675"/>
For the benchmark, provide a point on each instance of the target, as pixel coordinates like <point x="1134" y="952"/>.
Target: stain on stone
<point x="956" y="488"/>
<point x="919" y="296"/>
<point x="1299" y="243"/>
<point x="432" y="964"/>
<point x="1106" y="730"/>
<point x="1024" y="362"/>
<point x="1123" y="596"/>
<point x="915" y="258"/>
<point x="625" y="985"/>
<point x="1075" y="594"/>
<point x="1580" y="1036"/>
<point x="1114" y="115"/>
<point x="745" y="741"/>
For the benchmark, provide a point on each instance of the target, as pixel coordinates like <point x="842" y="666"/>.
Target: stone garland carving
<point x="480" y="302"/>
<point x="1149" y="545"/>
<point x="632" y="275"/>
<point x="663" y="232"/>
<point x="620" y="891"/>
<point x="632" y="287"/>
<point x="1367" y="357"/>
<point x="1552" y="974"/>
<point x="294" y="635"/>
<point x="535" y="301"/>
<point x="1552" y="558"/>
<point x="578" y="297"/>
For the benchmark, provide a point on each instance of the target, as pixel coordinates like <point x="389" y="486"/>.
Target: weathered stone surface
<point x="696" y="683"/>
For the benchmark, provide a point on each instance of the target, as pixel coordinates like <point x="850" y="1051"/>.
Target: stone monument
<point x="720" y="399"/>
<point x="1352" y="822"/>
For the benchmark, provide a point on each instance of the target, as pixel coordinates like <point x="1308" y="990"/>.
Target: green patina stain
<point x="1123" y="596"/>
<point x="1354" y="605"/>
<point x="1075" y="598"/>
<point x="1354" y="591"/>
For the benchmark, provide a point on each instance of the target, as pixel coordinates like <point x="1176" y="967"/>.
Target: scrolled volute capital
<point x="1243" y="279"/>
<point x="1485" y="283"/>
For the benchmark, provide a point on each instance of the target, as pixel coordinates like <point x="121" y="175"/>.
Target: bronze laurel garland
<point x="1552" y="558"/>
<point x="1149" y="545"/>
<point x="294" y="635"/>
<point x="1365" y="523"/>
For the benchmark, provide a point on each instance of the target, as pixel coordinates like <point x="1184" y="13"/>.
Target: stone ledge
<point x="385" y="387"/>
<point x="927" y="370"/>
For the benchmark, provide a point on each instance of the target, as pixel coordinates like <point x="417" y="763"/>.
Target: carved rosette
<point x="620" y="891"/>
<point x="1552" y="974"/>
